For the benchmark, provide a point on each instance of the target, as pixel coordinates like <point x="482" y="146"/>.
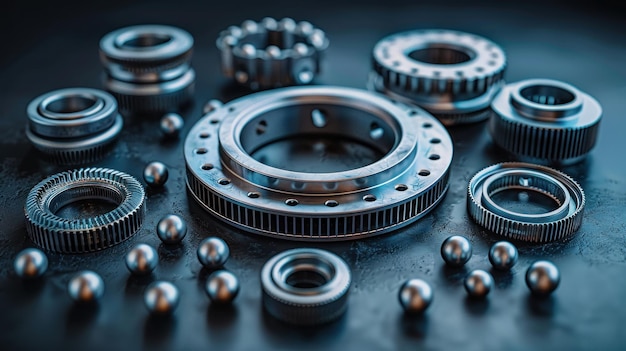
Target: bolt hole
<point x="201" y="151"/>
<point x="434" y="157"/>
<point x="401" y="187"/>
<point x="369" y="198"/>
<point x="261" y="127"/>
<point x="291" y="202"/>
<point x="331" y="203"/>
<point x="318" y="118"/>
<point x="204" y="135"/>
<point x="254" y="195"/>
<point x="207" y="166"/>
<point x="424" y="173"/>
<point x="214" y="121"/>
<point x="427" y="125"/>
<point x="435" y="141"/>
<point x="224" y="181"/>
<point x="413" y="113"/>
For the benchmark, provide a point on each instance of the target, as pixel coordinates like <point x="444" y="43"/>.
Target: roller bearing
<point x="453" y="75"/>
<point x="66" y="235"/>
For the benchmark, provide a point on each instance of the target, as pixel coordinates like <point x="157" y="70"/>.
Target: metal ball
<point x="85" y="287"/>
<point x="161" y="297"/>
<point x="456" y="251"/>
<point x="503" y="255"/>
<point x="213" y="252"/>
<point x="211" y="106"/>
<point x="542" y="278"/>
<point x="30" y="263"/>
<point x="142" y="259"/>
<point x="171" y="229"/>
<point x="478" y="283"/>
<point x="171" y="125"/>
<point x="222" y="287"/>
<point x="415" y="296"/>
<point x="155" y="174"/>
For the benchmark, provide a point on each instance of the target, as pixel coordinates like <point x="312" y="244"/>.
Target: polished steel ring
<point x="74" y="125"/>
<point x="545" y="121"/>
<point x="408" y="179"/>
<point x="305" y="286"/>
<point x="78" y="235"/>
<point x="270" y="53"/>
<point x="556" y="221"/>
<point x="453" y="75"/>
<point x="148" y="67"/>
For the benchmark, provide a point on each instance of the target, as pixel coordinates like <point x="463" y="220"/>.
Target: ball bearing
<point x="451" y="74"/>
<point x="86" y="287"/>
<point x="415" y="296"/>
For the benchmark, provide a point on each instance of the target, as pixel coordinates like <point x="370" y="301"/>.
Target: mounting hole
<point x="214" y="121"/>
<point x="427" y="125"/>
<point x="376" y="132"/>
<point x="434" y="157"/>
<point x="435" y="141"/>
<point x="223" y="181"/>
<point x="401" y="187"/>
<point x="331" y="203"/>
<point x="261" y="127"/>
<point x="369" y="198"/>
<point x="204" y="135"/>
<point x="413" y="113"/>
<point x="207" y="166"/>
<point x="231" y="109"/>
<point x="291" y="202"/>
<point x="254" y="195"/>
<point x="424" y="173"/>
<point x="318" y="118"/>
<point x="438" y="54"/>
<point x="547" y="95"/>
<point x="201" y="151"/>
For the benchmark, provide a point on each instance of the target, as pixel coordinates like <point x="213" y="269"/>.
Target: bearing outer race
<point x="58" y="234"/>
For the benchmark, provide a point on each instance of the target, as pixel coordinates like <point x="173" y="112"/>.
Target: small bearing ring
<point x="79" y="235"/>
<point x="555" y="223"/>
<point x="305" y="286"/>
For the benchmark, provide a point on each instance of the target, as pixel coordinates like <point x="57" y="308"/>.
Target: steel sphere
<point x="222" y="287"/>
<point x="478" y="283"/>
<point x="213" y="252"/>
<point x="30" y="263"/>
<point x="211" y="106"/>
<point x="415" y="296"/>
<point x="171" y="124"/>
<point x="161" y="297"/>
<point x="542" y="277"/>
<point x="86" y="286"/>
<point x="503" y="255"/>
<point x="456" y="251"/>
<point x="155" y="174"/>
<point x="142" y="259"/>
<point x="171" y="229"/>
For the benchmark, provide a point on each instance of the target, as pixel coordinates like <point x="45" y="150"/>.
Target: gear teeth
<point x="154" y="103"/>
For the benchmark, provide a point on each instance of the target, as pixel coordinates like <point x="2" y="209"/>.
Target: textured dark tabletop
<point x="54" y="45"/>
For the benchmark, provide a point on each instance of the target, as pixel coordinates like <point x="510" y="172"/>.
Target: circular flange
<point x="78" y="235"/>
<point x="453" y="75"/>
<point x="406" y="182"/>
<point x="545" y="121"/>
<point x="552" y="222"/>
<point x="270" y="53"/>
<point x="305" y="286"/>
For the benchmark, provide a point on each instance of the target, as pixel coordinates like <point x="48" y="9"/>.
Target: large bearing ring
<point x="406" y="182"/>
<point x="78" y="235"/>
<point x="272" y="53"/>
<point x="305" y="286"/>
<point x="562" y="218"/>
<point x="545" y="121"/>
<point x="148" y="67"/>
<point x="73" y="125"/>
<point x="453" y="75"/>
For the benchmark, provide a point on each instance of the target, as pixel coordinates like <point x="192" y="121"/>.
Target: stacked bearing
<point x="73" y="125"/>
<point x="148" y="67"/>
<point x="270" y="53"/>
<point x="453" y="75"/>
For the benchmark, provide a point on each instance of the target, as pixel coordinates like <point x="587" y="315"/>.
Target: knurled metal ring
<point x="454" y="75"/>
<point x="305" y="286"/>
<point x="79" y="235"/>
<point x="270" y="53"/>
<point x="408" y="180"/>
<point x="545" y="121"/>
<point x="554" y="223"/>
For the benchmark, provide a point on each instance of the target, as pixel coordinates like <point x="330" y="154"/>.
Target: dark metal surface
<point x="55" y="45"/>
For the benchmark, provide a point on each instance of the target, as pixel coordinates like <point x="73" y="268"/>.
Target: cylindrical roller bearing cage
<point x="407" y="182"/>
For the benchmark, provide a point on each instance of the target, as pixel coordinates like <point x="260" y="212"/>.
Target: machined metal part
<point x="542" y="278"/>
<point x="478" y="284"/>
<point x="456" y="250"/>
<point x="545" y="121"/>
<point x="453" y="75"/>
<point x="222" y="287"/>
<point x="89" y="233"/>
<point x="305" y="286"/>
<point x="30" y="263"/>
<point x="161" y="298"/>
<point x="271" y="53"/>
<point x="503" y="255"/>
<point x="148" y="67"/>
<point x="558" y="220"/>
<point x="86" y="287"/>
<point x="415" y="296"/>
<point x="74" y="125"/>
<point x="408" y="179"/>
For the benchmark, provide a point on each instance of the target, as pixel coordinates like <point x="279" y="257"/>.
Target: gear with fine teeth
<point x="453" y="75"/>
<point x="86" y="233"/>
<point x="270" y="53"/>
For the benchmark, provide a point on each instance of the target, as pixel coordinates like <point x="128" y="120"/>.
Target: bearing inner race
<point x="70" y="106"/>
<point x="546" y="100"/>
<point x="305" y="274"/>
<point x="441" y="54"/>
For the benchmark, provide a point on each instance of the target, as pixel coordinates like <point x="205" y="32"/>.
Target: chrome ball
<point x="542" y="277"/>
<point x="30" y="263"/>
<point x="161" y="297"/>
<point x="222" y="287"/>
<point x="142" y="259"/>
<point x="85" y="287"/>
<point x="171" y="229"/>
<point x="503" y="255"/>
<point x="171" y="124"/>
<point x="415" y="296"/>
<point x="155" y="174"/>
<point x="456" y="251"/>
<point x="478" y="283"/>
<point x="213" y="252"/>
<point x="211" y="106"/>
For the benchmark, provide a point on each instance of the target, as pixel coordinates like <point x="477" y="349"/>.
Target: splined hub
<point x="408" y="179"/>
